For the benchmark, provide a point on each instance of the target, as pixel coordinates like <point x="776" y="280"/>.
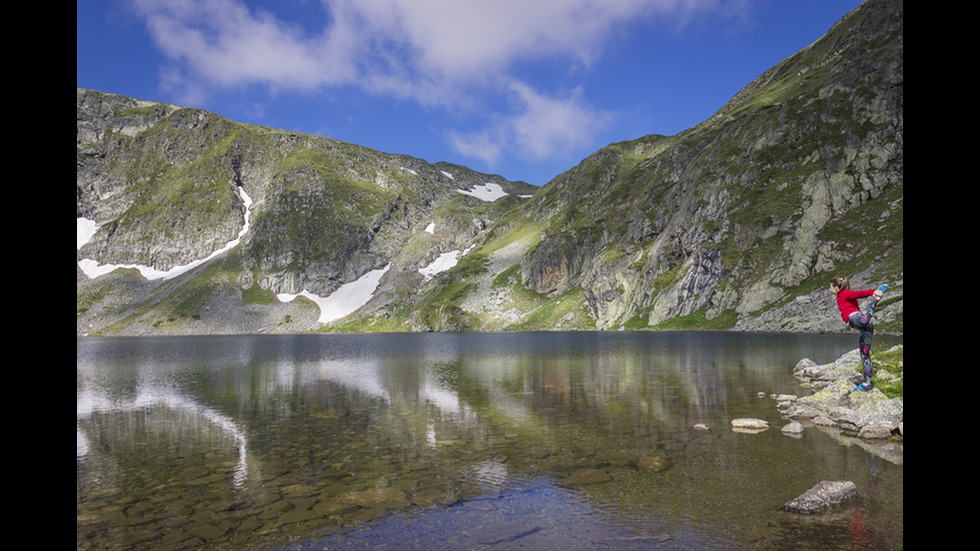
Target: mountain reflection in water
<point x="456" y="441"/>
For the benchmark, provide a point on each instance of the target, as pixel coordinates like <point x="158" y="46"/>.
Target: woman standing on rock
<point x="847" y="301"/>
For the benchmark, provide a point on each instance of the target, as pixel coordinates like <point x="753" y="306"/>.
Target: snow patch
<point x="444" y="262"/>
<point x="431" y="228"/>
<point x="345" y="300"/>
<point x="340" y="303"/>
<point x="447" y="175"/>
<point x="489" y="192"/>
<point x="91" y="268"/>
<point x="85" y="230"/>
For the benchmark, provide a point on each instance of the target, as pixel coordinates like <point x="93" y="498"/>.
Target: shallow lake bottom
<point x="504" y="441"/>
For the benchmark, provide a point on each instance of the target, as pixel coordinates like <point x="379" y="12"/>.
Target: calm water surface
<point x="463" y="441"/>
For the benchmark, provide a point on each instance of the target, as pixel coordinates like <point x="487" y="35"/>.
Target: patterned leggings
<point x="862" y="322"/>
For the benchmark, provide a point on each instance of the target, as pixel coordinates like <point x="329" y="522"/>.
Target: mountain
<point x="737" y="223"/>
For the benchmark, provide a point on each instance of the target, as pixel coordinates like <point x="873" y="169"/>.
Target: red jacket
<point x="847" y="301"/>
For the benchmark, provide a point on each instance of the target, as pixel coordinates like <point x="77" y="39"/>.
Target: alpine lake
<point x="468" y="441"/>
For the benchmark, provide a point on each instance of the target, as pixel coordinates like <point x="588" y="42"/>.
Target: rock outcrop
<point x="834" y="402"/>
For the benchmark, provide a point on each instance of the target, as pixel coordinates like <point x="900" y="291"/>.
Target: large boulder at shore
<point x="834" y="402"/>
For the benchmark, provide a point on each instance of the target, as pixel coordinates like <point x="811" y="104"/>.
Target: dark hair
<point x="841" y="283"/>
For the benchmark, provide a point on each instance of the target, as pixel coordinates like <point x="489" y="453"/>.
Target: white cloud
<point x="483" y="144"/>
<point x="435" y="52"/>
<point x="543" y="127"/>
<point x="226" y="43"/>
<point x="551" y="126"/>
<point x="461" y="39"/>
<point x="422" y="43"/>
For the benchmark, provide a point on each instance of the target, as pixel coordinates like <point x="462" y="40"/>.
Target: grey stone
<point x="824" y="495"/>
<point x="749" y="424"/>
<point x="792" y="428"/>
<point x="875" y="431"/>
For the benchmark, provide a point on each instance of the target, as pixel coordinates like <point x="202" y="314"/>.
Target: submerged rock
<point x="384" y="498"/>
<point x="822" y="496"/>
<point x="656" y="462"/>
<point x="588" y="476"/>
<point x="500" y="532"/>
<point x="432" y="496"/>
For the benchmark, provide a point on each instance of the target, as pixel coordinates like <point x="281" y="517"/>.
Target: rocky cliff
<point x="737" y="223"/>
<point x="745" y="217"/>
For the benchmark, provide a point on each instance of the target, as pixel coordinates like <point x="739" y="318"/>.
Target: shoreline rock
<point x="834" y="402"/>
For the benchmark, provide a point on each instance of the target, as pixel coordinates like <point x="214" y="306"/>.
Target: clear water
<point x="463" y="441"/>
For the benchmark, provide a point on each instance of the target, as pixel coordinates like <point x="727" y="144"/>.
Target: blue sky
<point x="521" y="88"/>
